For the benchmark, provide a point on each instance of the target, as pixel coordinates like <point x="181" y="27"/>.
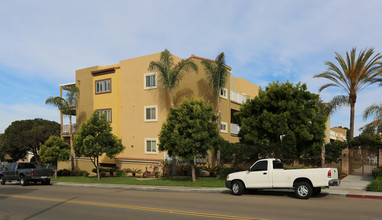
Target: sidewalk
<point x="351" y="186"/>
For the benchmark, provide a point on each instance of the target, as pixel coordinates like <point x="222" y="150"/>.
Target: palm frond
<point x="375" y="109"/>
<point x="337" y="102"/>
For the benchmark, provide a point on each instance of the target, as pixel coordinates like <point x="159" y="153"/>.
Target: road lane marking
<point x="134" y="208"/>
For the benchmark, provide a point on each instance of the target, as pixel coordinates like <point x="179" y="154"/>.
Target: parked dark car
<point x="25" y="173"/>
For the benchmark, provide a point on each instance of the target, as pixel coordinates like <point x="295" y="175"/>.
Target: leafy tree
<point x="217" y="74"/>
<point x="94" y="138"/>
<point x="333" y="151"/>
<point x="238" y="153"/>
<point x="285" y="120"/>
<point x="28" y="135"/>
<point x="54" y="150"/>
<point x="169" y="75"/>
<point x="189" y="131"/>
<point x="376" y="124"/>
<point x="353" y="75"/>
<point x="3" y="147"/>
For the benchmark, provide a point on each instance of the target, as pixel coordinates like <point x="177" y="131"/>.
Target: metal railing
<point x="235" y="128"/>
<point x="237" y="97"/>
<point x="66" y="129"/>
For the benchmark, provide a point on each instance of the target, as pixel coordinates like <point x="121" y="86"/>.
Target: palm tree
<point x="217" y="76"/>
<point x="169" y="73"/>
<point x="375" y="110"/>
<point x="353" y="75"/>
<point x="67" y="107"/>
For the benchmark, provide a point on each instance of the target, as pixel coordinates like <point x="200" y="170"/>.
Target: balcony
<point x="235" y="128"/>
<point x="66" y="129"/>
<point x="238" y="97"/>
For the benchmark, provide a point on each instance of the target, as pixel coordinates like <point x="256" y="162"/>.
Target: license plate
<point x="44" y="177"/>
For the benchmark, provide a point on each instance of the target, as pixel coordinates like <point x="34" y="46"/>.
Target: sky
<point x="42" y="43"/>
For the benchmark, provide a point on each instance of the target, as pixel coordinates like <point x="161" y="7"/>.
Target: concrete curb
<point x="341" y="193"/>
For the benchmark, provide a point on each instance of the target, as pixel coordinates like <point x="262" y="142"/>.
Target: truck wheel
<point x="303" y="190"/>
<point x="46" y="182"/>
<point x="316" y="191"/>
<point x="23" y="182"/>
<point x="2" y="180"/>
<point x="237" y="188"/>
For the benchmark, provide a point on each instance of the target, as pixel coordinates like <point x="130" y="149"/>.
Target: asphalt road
<point x="64" y="202"/>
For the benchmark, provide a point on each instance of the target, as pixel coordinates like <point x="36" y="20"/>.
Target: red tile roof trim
<point x="202" y="58"/>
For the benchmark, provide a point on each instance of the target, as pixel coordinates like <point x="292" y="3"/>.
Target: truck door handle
<point x="265" y="173"/>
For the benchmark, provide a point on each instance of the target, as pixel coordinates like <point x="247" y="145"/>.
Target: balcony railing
<point x="235" y="128"/>
<point x="237" y="97"/>
<point x="66" y="129"/>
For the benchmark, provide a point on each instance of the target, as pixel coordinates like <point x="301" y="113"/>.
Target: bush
<point x="224" y="171"/>
<point x="121" y="173"/>
<point x="85" y="174"/>
<point x="64" y="172"/>
<point x="376" y="172"/>
<point x="94" y="170"/>
<point x="77" y="173"/>
<point x="102" y="173"/>
<point x="211" y="170"/>
<point x="375" y="185"/>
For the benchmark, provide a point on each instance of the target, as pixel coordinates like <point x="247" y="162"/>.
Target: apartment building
<point x="338" y="134"/>
<point x="136" y="105"/>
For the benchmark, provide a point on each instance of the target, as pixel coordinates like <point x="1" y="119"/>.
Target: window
<point x="223" y="93"/>
<point x="103" y="86"/>
<point x="260" y="166"/>
<point x="150" y="81"/>
<point x="277" y="164"/>
<point x="105" y="113"/>
<point x="151" y="145"/>
<point x="223" y="127"/>
<point x="151" y="113"/>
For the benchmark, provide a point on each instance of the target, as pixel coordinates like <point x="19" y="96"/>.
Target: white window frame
<point x="144" y="81"/>
<point x="107" y="112"/>
<point x="226" y="127"/>
<point x="156" y="147"/>
<point x="156" y="113"/>
<point x="101" y="86"/>
<point x="224" y="90"/>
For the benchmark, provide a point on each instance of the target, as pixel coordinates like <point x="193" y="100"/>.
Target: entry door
<point x="258" y="176"/>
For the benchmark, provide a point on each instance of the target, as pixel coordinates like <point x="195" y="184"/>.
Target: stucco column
<point x="345" y="161"/>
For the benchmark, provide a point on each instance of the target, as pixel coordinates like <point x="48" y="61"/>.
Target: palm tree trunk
<point x="352" y="113"/>
<point x="71" y="143"/>
<point x="219" y="126"/>
<point x="173" y="158"/>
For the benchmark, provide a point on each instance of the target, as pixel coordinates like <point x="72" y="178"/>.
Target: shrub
<point x="77" y="173"/>
<point x="102" y="173"/>
<point x="224" y="171"/>
<point x="94" y="170"/>
<point x="85" y="174"/>
<point x="133" y="171"/>
<point x="64" y="172"/>
<point x="211" y="169"/>
<point x="375" y="185"/>
<point x="121" y="173"/>
<point x="376" y="172"/>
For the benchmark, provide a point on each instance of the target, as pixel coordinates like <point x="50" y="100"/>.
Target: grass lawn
<point x="167" y="181"/>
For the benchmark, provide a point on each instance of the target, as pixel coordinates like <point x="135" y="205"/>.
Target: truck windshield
<point x="25" y="165"/>
<point x="277" y="164"/>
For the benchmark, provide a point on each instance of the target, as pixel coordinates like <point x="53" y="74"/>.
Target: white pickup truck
<point x="270" y="174"/>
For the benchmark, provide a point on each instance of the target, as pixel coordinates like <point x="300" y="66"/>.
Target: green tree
<point x="3" y="147"/>
<point x="54" y="150"/>
<point x="376" y="124"/>
<point x="285" y="120"/>
<point x="333" y="151"/>
<point x="67" y="107"/>
<point x="353" y="75"/>
<point x="28" y="135"/>
<point x="189" y="131"/>
<point x="217" y="74"/>
<point x="94" y="139"/>
<point x="169" y="75"/>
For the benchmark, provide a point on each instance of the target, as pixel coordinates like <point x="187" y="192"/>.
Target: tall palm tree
<point x="376" y="110"/>
<point x="353" y="75"/>
<point x="170" y="73"/>
<point x="217" y="74"/>
<point x="67" y="107"/>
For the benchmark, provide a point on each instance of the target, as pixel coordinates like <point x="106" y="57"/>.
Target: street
<point x="65" y="202"/>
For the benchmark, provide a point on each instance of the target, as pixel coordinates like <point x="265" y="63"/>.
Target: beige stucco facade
<point x="129" y="98"/>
